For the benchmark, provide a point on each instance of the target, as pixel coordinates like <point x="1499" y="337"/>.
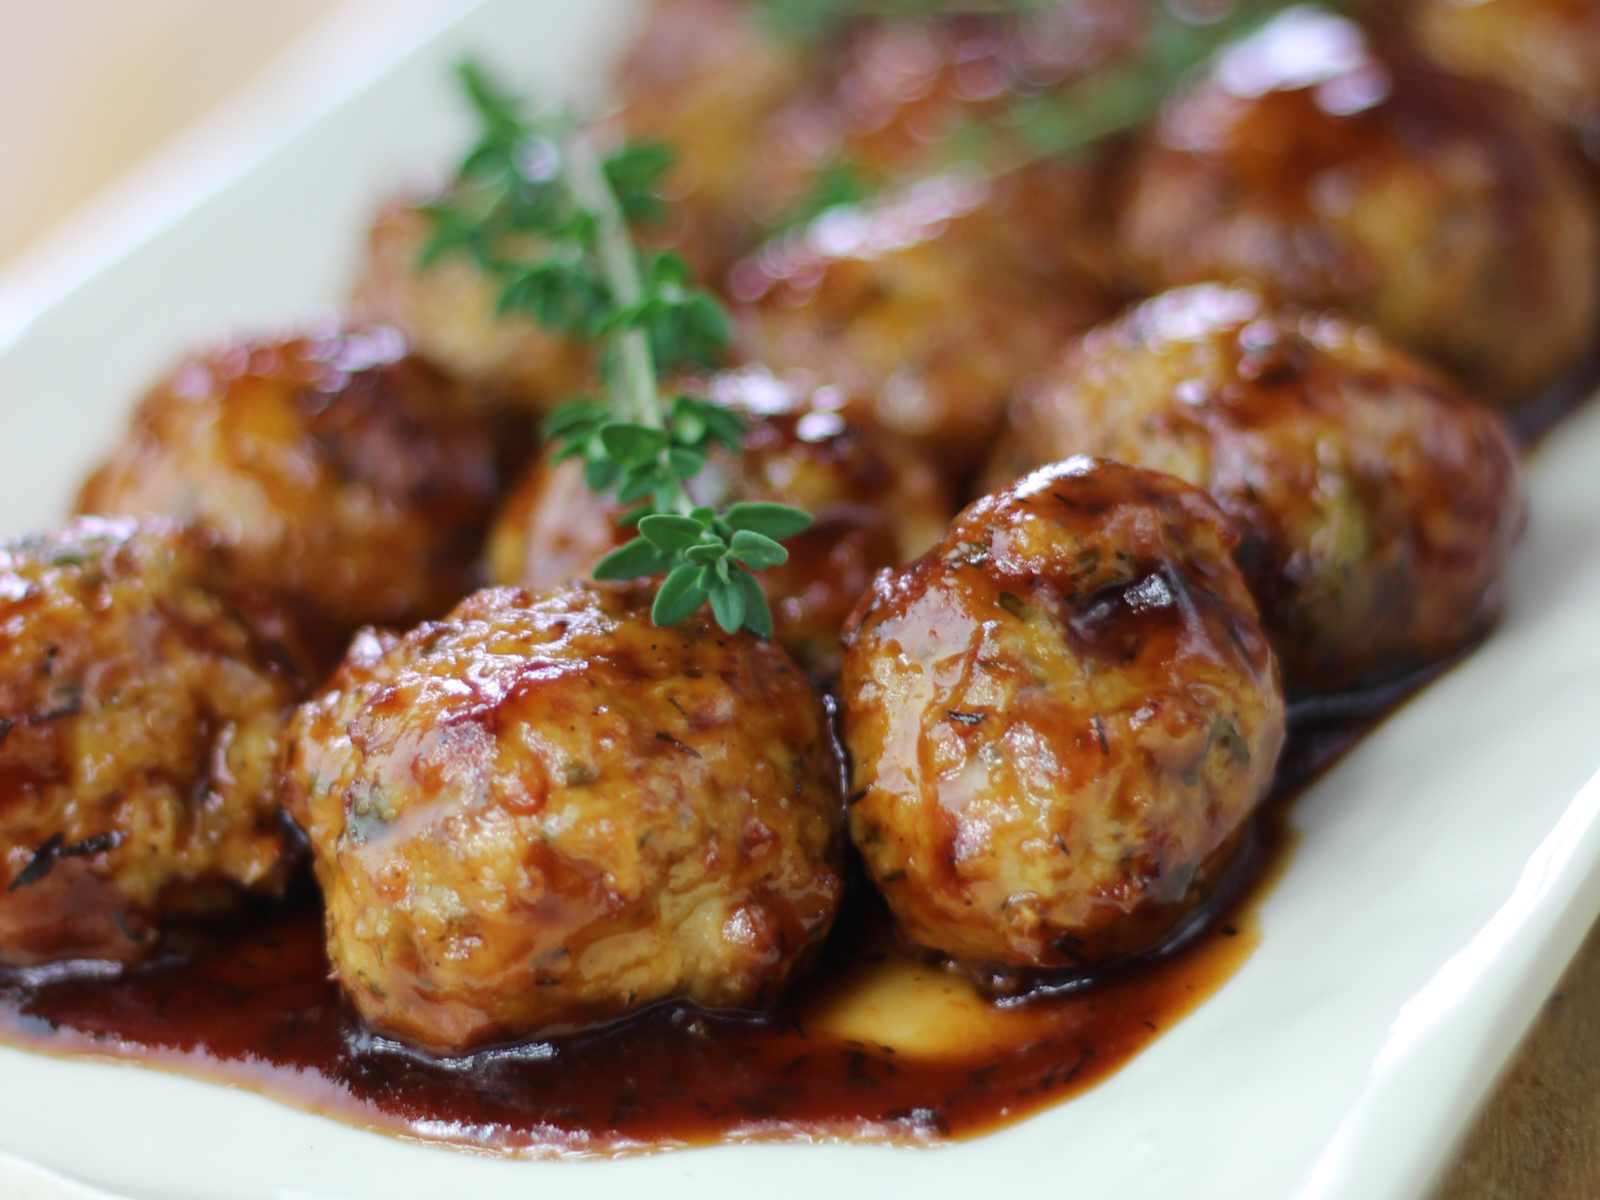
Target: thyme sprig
<point x="539" y="211"/>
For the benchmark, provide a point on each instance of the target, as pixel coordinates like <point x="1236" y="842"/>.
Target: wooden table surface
<point x="1538" y="1136"/>
<point x="88" y="87"/>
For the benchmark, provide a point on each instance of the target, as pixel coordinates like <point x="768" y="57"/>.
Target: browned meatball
<point x="1546" y="50"/>
<point x="1378" y="506"/>
<point x="708" y="79"/>
<point x="447" y="311"/>
<point x="141" y="722"/>
<point x="1438" y="208"/>
<point x="770" y="119"/>
<point x="926" y="308"/>
<point x="545" y="812"/>
<point x="704" y="79"/>
<point x="344" y="474"/>
<point x="1060" y="721"/>
<point x="874" y="504"/>
<point x="900" y="90"/>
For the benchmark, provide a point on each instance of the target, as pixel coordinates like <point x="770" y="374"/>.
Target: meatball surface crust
<point x="769" y="124"/>
<point x="1060" y="721"/>
<point x="1545" y="50"/>
<point x="343" y="474"/>
<point x="1438" y="208"/>
<point x="447" y="312"/>
<point x="709" y="79"/>
<point x="1377" y="506"/>
<point x="875" y="503"/>
<point x="544" y="812"/>
<point x="141" y="723"/>
<point x="927" y="308"/>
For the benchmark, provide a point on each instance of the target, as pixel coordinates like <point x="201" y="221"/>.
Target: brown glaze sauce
<point x="875" y="1044"/>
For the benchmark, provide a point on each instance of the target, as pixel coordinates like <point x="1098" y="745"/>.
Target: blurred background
<point x="90" y="87"/>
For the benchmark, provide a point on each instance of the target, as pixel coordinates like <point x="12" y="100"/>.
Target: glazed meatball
<point x="702" y="80"/>
<point x="544" y="812"/>
<point x="874" y="504"/>
<point x="1060" y="721"/>
<point x="347" y="476"/>
<point x="1378" y="506"/>
<point x="1546" y="50"/>
<point x="1438" y="208"/>
<point x="708" y="79"/>
<point x="926" y="308"/>
<point x="770" y="124"/>
<point x="446" y="309"/>
<point x="141" y="722"/>
<point x="899" y="89"/>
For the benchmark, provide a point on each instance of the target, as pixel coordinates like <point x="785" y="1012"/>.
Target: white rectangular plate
<point x="1446" y="871"/>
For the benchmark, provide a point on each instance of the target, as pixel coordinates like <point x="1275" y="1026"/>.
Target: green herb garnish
<point x="537" y="209"/>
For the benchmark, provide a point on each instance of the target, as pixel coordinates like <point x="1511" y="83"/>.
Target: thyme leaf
<point x="538" y="210"/>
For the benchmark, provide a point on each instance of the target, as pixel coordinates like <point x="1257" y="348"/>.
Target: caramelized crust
<point x="1438" y="208"/>
<point x="768" y="120"/>
<point x="1546" y="50"/>
<point x="926" y="308"/>
<point x="900" y="90"/>
<point x="706" y="78"/>
<point x="544" y="812"/>
<point x="760" y="121"/>
<point x="1059" y="721"/>
<point x="1378" y="507"/>
<point x="141" y="723"/>
<point x="874" y="502"/>
<point x="447" y="312"/>
<point x="344" y="475"/>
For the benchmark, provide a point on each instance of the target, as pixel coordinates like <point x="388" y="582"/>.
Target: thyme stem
<point x="539" y="210"/>
<point x="636" y="370"/>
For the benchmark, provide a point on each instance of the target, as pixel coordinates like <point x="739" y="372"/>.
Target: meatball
<point x="141" y="722"/>
<point x="710" y="80"/>
<point x="1546" y="50"/>
<point x="347" y="476"/>
<point x="771" y="124"/>
<point x="702" y="79"/>
<point x="926" y="308"/>
<point x="874" y="504"/>
<point x="1060" y="721"/>
<point x="1438" y="208"/>
<point x="1378" y="506"/>
<point x="900" y="90"/>
<point x="447" y="311"/>
<point x="544" y="812"/>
